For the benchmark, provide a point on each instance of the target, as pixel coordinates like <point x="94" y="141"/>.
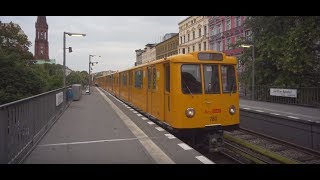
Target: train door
<point x="149" y="90"/>
<point x="111" y="83"/>
<point x="120" y="85"/>
<point x="166" y="92"/>
<point x="130" y="85"/>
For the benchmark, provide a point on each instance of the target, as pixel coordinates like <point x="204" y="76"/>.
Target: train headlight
<point x="232" y="110"/>
<point x="190" y="112"/>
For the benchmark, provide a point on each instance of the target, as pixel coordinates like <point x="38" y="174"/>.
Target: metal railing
<point x="24" y="122"/>
<point x="306" y="96"/>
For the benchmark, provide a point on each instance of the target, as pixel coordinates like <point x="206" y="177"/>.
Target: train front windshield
<point x="191" y="79"/>
<point x="229" y="84"/>
<point x="191" y="82"/>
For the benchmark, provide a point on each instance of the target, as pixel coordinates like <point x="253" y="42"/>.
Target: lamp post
<point x="64" y="53"/>
<point x="91" y="64"/>
<point x="253" y="60"/>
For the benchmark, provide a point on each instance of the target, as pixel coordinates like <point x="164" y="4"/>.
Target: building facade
<point x="41" y="46"/>
<point x="168" y="47"/>
<point x="193" y="34"/>
<point x="138" y="57"/>
<point x="149" y="53"/>
<point x="225" y="32"/>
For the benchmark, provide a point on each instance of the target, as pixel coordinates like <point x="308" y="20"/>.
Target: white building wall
<point x="193" y="34"/>
<point x="149" y="55"/>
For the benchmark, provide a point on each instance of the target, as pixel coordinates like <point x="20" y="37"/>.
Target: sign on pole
<point x="59" y="98"/>
<point x="283" y="92"/>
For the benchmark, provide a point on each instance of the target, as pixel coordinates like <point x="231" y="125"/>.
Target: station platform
<point x="291" y="111"/>
<point x="99" y="129"/>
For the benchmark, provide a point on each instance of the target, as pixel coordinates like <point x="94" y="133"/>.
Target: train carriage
<point x="194" y="94"/>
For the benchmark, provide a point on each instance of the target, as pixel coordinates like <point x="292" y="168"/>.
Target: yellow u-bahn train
<point x="193" y="94"/>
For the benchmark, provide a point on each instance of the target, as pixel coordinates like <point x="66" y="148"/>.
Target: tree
<point x="13" y="41"/>
<point x="286" y="51"/>
<point x="17" y="80"/>
<point x="84" y="78"/>
<point x="77" y="77"/>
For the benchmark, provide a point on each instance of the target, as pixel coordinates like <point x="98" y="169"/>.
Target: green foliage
<point x="52" y="74"/>
<point x="77" y="77"/>
<point x="17" y="80"/>
<point x="12" y="41"/>
<point x="286" y="51"/>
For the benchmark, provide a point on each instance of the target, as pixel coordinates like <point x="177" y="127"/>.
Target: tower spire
<point x="41" y="48"/>
<point x="42" y="21"/>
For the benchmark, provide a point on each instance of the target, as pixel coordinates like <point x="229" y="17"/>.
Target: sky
<point x="114" y="38"/>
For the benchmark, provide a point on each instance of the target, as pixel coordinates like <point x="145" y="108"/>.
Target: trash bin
<point x="69" y="94"/>
<point x="76" y="91"/>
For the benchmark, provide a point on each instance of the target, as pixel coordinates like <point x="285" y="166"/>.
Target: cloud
<point x="115" y="38"/>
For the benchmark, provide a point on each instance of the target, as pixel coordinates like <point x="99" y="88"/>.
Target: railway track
<point x="246" y="147"/>
<point x="250" y="147"/>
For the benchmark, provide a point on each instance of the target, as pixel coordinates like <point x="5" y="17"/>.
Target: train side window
<point x="138" y="79"/>
<point x="124" y="79"/>
<point x="191" y="79"/>
<point x="130" y="78"/>
<point x="149" y="78"/>
<point x="228" y="79"/>
<point x="211" y="79"/>
<point x="167" y="76"/>
<point x="154" y="77"/>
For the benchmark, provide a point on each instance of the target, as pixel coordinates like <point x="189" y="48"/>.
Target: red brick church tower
<point x="41" y="47"/>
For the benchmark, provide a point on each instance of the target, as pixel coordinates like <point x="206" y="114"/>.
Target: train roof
<point x="183" y="58"/>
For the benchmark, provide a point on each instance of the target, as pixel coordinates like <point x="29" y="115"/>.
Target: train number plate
<point x="213" y="118"/>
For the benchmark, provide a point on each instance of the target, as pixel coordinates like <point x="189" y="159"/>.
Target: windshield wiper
<point x="187" y="87"/>
<point x="232" y="86"/>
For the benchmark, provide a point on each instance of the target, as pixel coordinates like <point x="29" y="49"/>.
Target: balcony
<point x="227" y="33"/>
<point x="238" y="30"/>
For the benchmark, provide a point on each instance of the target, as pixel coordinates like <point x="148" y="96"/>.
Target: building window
<point x="205" y="30"/>
<point x="184" y="39"/>
<point x="238" y="39"/>
<point x="219" y="46"/>
<point x="228" y="44"/>
<point x="204" y="46"/>
<point x="247" y="35"/>
<point x="218" y="28"/>
<point x="238" y="21"/>
<point x="183" y="51"/>
<point x="199" y="46"/>
<point x="193" y="49"/>
<point x="179" y="51"/>
<point x="188" y="49"/>
<point x="188" y="37"/>
<point x="194" y="34"/>
<point x="200" y="32"/>
<point x="212" y="45"/>
<point x="228" y="24"/>
<point x="181" y="40"/>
